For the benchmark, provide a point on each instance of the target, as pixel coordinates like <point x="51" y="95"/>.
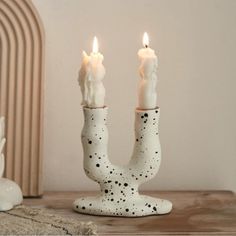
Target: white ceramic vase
<point x="10" y="192"/>
<point x="119" y="194"/>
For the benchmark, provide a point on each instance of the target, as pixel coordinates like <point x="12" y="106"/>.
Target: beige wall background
<point x="195" y="42"/>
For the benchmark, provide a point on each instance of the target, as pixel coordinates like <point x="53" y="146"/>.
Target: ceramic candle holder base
<point x="119" y="194"/>
<point x="10" y="192"/>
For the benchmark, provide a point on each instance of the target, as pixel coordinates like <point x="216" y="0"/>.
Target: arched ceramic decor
<point x="21" y="92"/>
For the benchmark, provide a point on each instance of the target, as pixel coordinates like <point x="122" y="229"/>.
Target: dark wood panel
<point x="194" y="213"/>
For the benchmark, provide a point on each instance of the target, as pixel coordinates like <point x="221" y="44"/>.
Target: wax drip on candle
<point x="90" y="79"/>
<point x="148" y="67"/>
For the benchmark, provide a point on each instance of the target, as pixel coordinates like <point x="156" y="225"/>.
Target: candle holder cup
<point x="119" y="195"/>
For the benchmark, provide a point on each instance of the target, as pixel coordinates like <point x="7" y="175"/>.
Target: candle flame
<point x="145" y="40"/>
<point x="95" y="45"/>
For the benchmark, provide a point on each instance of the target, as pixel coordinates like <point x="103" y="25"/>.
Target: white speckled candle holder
<point x="119" y="194"/>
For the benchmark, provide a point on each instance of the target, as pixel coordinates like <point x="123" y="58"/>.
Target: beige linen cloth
<point x="24" y="220"/>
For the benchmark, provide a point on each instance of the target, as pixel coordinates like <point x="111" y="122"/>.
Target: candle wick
<point x="146" y="46"/>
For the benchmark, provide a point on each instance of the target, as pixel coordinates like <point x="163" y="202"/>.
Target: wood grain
<point x="194" y="213"/>
<point x="21" y="92"/>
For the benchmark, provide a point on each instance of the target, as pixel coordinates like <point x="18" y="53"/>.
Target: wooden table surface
<point x="194" y="213"/>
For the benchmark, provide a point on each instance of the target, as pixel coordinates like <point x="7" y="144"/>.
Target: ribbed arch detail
<point x="21" y="92"/>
